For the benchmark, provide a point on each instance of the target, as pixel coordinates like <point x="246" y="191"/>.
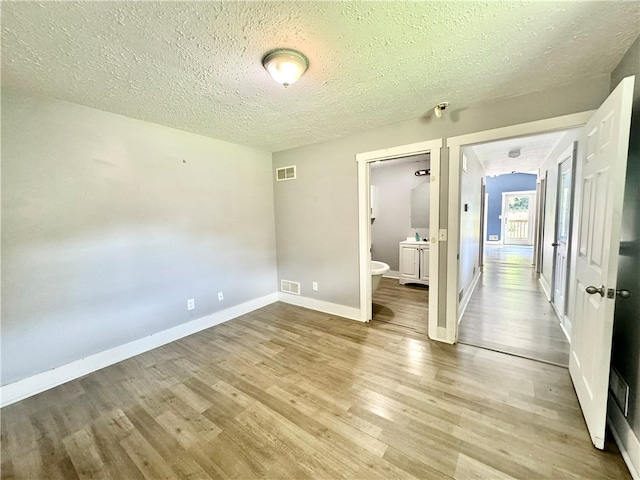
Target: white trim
<point x="532" y="213"/>
<point x="625" y="438"/>
<point x="435" y="333"/>
<point x="467" y="296"/>
<point x="364" y="223"/>
<point x="455" y="144"/>
<point x="21" y="389"/>
<point x="493" y="242"/>
<point x="563" y="326"/>
<point x="563" y="122"/>
<point x="453" y="250"/>
<point x="392" y="274"/>
<point x="546" y="288"/>
<point x="321" y="306"/>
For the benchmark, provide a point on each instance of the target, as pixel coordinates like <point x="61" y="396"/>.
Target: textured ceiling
<point x="534" y="150"/>
<point x="197" y="65"/>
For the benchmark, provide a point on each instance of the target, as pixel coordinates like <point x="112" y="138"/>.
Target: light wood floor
<point x="509" y="312"/>
<point x="286" y="392"/>
<point x="402" y="305"/>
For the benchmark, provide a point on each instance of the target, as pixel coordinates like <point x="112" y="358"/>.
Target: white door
<point x="518" y="214"/>
<point x="561" y="243"/>
<point x="601" y="190"/>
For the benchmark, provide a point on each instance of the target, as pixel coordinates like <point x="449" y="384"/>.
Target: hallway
<point x="509" y="312"/>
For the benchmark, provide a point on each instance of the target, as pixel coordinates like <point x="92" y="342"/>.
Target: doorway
<point x="433" y="147"/>
<point x="518" y="215"/>
<point x="563" y="227"/>
<point x="400" y="191"/>
<point x="505" y="308"/>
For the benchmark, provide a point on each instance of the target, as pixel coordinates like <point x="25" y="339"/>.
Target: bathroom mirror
<point x="420" y="206"/>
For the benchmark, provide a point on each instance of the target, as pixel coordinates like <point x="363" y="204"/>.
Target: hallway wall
<point x="470" y="221"/>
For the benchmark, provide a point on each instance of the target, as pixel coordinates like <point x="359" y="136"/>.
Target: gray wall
<point x="470" y="234"/>
<point x="317" y="215"/>
<point x="109" y="224"/>
<point x="394" y="180"/>
<point x="626" y="327"/>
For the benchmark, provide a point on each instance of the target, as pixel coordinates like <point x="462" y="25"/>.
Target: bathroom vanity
<point x="414" y="262"/>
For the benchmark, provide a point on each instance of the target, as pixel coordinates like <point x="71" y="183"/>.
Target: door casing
<point x="455" y="145"/>
<point x="560" y="306"/>
<point x="363" y="160"/>
<point x="532" y="216"/>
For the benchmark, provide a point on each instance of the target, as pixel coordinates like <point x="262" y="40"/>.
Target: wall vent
<point x="288" y="286"/>
<point x="493" y="237"/>
<point x="286" y="173"/>
<point x="620" y="391"/>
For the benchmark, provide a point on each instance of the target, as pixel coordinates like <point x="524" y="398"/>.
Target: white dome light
<point x="285" y="66"/>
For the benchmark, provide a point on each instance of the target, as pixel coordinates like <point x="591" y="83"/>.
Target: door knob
<point x="591" y="290"/>
<point x="555" y="244"/>
<point x="623" y="293"/>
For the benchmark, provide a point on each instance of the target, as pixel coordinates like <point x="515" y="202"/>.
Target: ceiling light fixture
<point x="439" y="108"/>
<point x="286" y="66"/>
<point x="514" y="152"/>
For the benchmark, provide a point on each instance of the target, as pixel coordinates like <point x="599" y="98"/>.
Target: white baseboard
<point x="546" y="288"/>
<point x="566" y="328"/>
<point x="625" y="438"/>
<point x="391" y="274"/>
<point x="467" y="296"/>
<point x="21" y="389"/>
<point x="493" y="242"/>
<point x="321" y="306"/>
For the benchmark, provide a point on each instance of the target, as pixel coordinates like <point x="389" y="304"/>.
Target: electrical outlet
<point x="220" y="296"/>
<point x="191" y="304"/>
<point x="315" y="286"/>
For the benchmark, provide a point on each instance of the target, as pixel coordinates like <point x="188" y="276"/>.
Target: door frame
<point x="532" y="213"/>
<point x="455" y="144"/>
<point x="571" y="155"/>
<point x="433" y="147"/>
<point x="540" y="217"/>
<point x="484" y="203"/>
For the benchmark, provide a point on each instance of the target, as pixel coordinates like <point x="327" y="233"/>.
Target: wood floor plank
<point x="286" y="392"/>
<point x="509" y="312"/>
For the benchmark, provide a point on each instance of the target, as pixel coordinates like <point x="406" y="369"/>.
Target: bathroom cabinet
<point x="414" y="262"/>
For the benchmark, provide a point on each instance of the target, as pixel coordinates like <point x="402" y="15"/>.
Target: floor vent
<point x="288" y="286"/>
<point x="286" y="173"/>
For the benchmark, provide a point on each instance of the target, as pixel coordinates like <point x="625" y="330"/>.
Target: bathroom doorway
<point x="400" y="191"/>
<point x="407" y="154"/>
